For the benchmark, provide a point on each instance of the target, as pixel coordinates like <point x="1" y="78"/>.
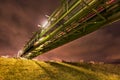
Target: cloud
<point x="18" y="21"/>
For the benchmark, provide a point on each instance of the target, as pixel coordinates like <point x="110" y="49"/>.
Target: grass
<point x="18" y="69"/>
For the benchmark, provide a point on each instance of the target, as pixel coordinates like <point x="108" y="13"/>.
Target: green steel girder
<point x="110" y="14"/>
<point x="75" y="17"/>
<point x="78" y="33"/>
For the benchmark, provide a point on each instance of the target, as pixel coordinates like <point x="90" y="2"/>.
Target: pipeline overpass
<point x="72" y="20"/>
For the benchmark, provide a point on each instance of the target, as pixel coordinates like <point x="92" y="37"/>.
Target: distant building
<point x="52" y="61"/>
<point x="57" y="59"/>
<point x="81" y="61"/>
<point x="100" y="62"/>
<point x="92" y="62"/>
<point x="35" y="59"/>
<point x="5" y="56"/>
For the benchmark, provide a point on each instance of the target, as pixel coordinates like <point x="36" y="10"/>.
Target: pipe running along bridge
<point x="72" y="20"/>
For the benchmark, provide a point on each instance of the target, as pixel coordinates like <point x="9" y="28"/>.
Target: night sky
<point x="19" y="19"/>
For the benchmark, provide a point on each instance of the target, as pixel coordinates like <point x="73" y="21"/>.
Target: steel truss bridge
<point x="72" y="20"/>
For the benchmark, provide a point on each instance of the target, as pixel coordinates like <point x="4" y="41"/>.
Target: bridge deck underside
<point x="85" y="18"/>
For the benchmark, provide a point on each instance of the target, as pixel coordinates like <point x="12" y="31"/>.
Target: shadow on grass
<point x="51" y="75"/>
<point x="74" y="70"/>
<point x="103" y="68"/>
<point x="62" y="65"/>
<point x="83" y="65"/>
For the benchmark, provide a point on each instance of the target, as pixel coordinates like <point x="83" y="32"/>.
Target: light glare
<point x="45" y="24"/>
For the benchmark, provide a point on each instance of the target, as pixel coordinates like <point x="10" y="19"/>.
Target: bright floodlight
<point x="19" y="53"/>
<point x="45" y="24"/>
<point x="39" y="25"/>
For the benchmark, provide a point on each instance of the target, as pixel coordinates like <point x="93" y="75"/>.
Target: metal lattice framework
<point x="72" y="20"/>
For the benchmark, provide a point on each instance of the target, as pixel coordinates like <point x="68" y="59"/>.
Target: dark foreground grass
<point x="17" y="69"/>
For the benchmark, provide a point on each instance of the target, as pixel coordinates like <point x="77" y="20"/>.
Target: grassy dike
<point x="19" y="69"/>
